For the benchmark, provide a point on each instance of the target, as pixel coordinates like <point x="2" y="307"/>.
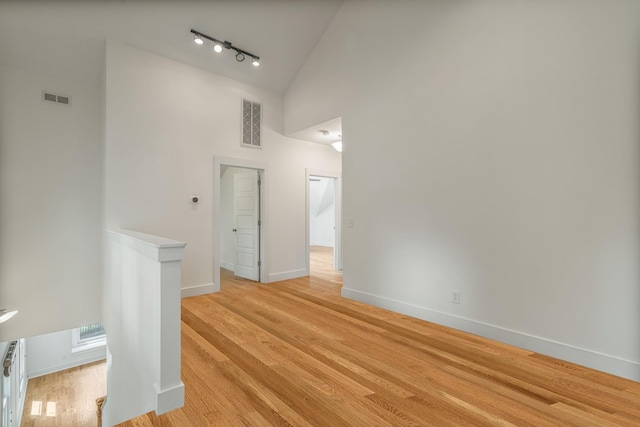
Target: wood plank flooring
<point x="296" y="353"/>
<point x="321" y="264"/>
<point x="65" y="398"/>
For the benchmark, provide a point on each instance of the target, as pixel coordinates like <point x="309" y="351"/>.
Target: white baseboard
<point x="77" y="359"/>
<point x="592" y="359"/>
<point x="324" y="244"/>
<point x="194" y="291"/>
<point x="286" y="275"/>
<point x="169" y="399"/>
<point x="227" y="265"/>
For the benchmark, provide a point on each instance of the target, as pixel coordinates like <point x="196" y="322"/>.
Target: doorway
<point x="239" y="219"/>
<point x="324" y="237"/>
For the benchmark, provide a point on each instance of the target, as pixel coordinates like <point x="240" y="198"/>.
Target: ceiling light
<point x="6" y="315"/>
<point x="218" y="46"/>
<point x="337" y="145"/>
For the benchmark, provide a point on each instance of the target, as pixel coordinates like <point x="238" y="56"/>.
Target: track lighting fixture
<point x="241" y="55"/>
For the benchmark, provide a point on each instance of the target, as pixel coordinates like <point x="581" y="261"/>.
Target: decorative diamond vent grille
<point x="251" y="123"/>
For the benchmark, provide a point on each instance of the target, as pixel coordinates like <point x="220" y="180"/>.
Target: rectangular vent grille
<point x="251" y="124"/>
<point x="58" y="99"/>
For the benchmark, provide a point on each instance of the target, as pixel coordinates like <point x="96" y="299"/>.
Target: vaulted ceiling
<point x="67" y="38"/>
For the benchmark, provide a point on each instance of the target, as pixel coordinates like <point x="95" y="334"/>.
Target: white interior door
<point x="246" y="205"/>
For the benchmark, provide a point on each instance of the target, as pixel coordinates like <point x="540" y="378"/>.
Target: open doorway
<point x="239" y="219"/>
<point x="324" y="242"/>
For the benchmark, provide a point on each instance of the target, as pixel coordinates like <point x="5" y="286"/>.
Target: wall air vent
<point x="58" y="99"/>
<point x="251" y="124"/>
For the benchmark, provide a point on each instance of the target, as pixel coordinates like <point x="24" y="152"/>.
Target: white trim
<point x="592" y="359"/>
<point x="154" y="247"/>
<point x="324" y="244"/>
<point x="218" y="161"/>
<point x="77" y="359"/>
<point x="79" y="346"/>
<point x="286" y="275"/>
<point x="338" y="212"/>
<point x="90" y="345"/>
<point x="194" y="291"/>
<point x="169" y="398"/>
<point x="227" y="265"/>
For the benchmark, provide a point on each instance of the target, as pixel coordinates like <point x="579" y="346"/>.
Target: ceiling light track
<point x="218" y="45"/>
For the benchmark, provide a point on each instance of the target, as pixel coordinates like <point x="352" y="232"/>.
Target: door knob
<point x="234" y="230"/>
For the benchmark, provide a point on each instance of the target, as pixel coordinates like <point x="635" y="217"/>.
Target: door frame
<point x="338" y="212"/>
<point x="218" y="161"/>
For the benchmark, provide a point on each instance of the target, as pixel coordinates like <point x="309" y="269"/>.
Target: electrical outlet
<point x="455" y="297"/>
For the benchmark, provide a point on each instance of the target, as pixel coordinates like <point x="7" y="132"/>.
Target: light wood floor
<point x="321" y="264"/>
<point x="296" y="353"/>
<point x="73" y="391"/>
<point x="65" y="398"/>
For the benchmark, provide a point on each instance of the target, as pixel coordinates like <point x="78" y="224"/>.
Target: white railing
<point x="141" y="316"/>
<point x="13" y="383"/>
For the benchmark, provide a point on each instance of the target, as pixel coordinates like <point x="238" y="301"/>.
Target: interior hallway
<point x="296" y="353"/>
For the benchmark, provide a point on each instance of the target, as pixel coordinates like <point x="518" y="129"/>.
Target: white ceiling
<point x="66" y="38"/>
<point x="315" y="134"/>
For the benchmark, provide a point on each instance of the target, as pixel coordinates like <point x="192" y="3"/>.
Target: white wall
<point x="491" y="148"/>
<point x="142" y="321"/>
<point x="322" y="212"/>
<point x="51" y="166"/>
<point x="165" y="121"/>
<point x="52" y="352"/>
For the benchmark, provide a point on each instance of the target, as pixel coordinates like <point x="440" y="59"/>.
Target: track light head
<point x="219" y="46"/>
